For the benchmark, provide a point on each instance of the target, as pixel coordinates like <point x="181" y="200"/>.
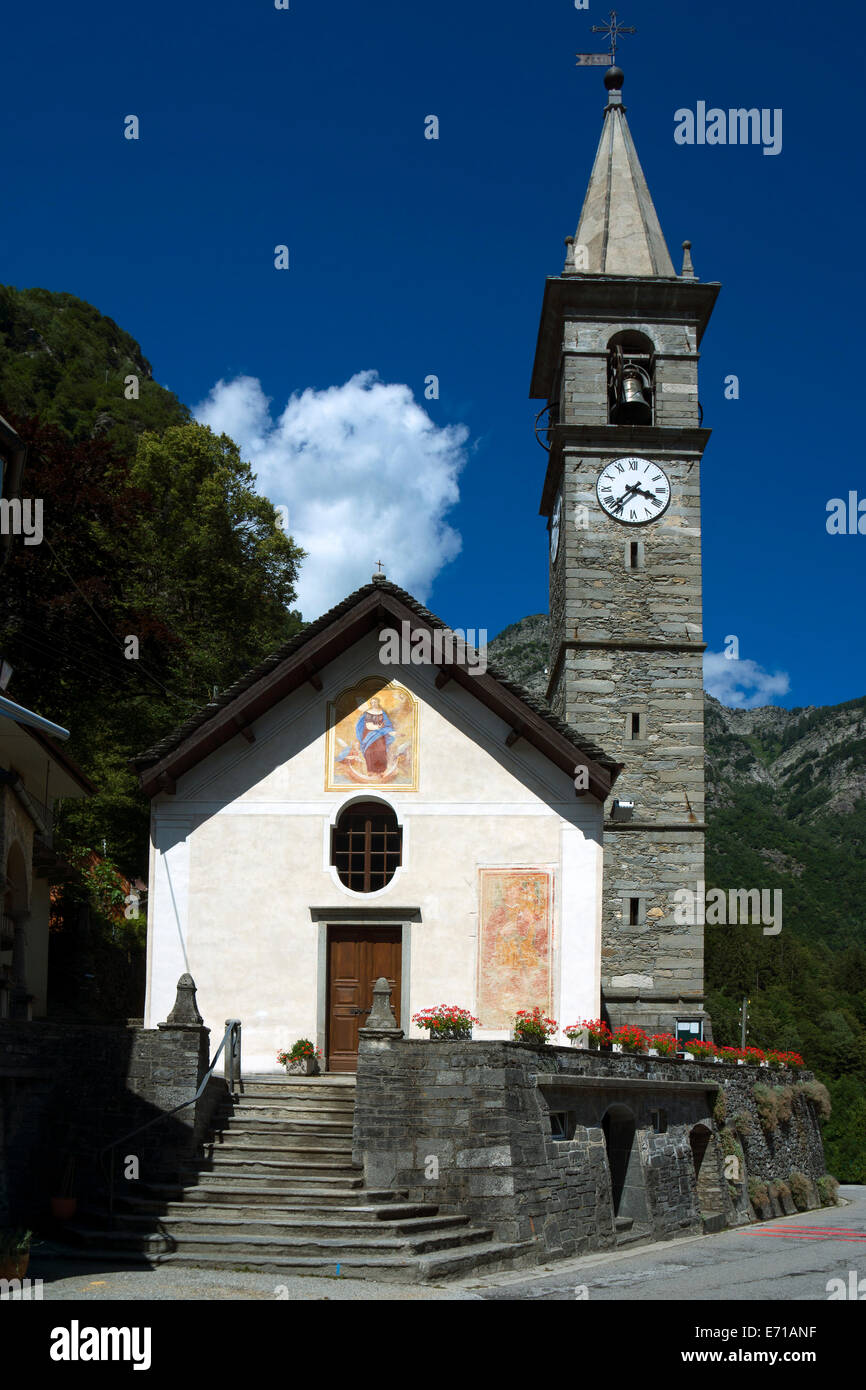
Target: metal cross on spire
<point x="614" y="30"/>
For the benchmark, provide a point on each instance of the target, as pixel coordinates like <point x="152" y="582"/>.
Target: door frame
<point x="403" y="917"/>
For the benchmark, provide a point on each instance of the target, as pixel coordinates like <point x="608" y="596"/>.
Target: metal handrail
<point x="232" y="1066"/>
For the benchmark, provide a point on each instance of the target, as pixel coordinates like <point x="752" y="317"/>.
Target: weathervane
<point x="613" y="29"/>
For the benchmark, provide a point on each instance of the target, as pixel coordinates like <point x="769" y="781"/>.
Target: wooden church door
<point x="357" y="956"/>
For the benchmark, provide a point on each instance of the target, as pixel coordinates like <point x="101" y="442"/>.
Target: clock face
<point x="555" y="524"/>
<point x="633" y="491"/>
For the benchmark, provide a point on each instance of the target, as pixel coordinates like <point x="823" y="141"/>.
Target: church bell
<point x="634" y="406"/>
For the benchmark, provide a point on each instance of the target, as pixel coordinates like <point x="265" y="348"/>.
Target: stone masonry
<point x="472" y="1127"/>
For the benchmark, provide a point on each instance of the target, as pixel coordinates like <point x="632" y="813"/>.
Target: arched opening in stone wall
<point x="626" y="1170"/>
<point x="704" y="1157"/>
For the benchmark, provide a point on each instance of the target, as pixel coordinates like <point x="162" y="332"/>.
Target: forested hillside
<point x="162" y="575"/>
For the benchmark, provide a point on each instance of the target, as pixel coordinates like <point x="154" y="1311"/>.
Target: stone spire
<point x="619" y="231"/>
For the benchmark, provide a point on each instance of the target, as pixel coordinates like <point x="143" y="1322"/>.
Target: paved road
<point x="789" y="1260"/>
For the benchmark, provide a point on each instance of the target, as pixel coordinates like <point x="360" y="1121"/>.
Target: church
<point x="340" y="815"/>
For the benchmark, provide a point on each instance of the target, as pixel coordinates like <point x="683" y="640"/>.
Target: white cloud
<point x="742" y="684"/>
<point x="365" y="473"/>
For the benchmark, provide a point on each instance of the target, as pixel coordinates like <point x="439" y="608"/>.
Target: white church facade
<point x="333" y="819"/>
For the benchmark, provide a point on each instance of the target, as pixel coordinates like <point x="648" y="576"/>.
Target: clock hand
<point x="632" y="488"/>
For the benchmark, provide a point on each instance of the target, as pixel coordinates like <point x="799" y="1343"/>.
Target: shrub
<point x="17" y="1242"/>
<point x="775" y="1105"/>
<point x="818" y="1094"/>
<point x="799" y="1185"/>
<point x="783" y="1194"/>
<point x="766" y="1103"/>
<point x="758" y="1194"/>
<point x="828" y="1190"/>
<point x="720" y="1109"/>
<point x="743" y="1124"/>
<point x="783" y="1097"/>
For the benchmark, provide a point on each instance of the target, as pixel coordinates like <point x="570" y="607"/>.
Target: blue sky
<point x="411" y="257"/>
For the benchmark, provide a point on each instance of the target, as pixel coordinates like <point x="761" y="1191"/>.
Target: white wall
<point x="240" y="855"/>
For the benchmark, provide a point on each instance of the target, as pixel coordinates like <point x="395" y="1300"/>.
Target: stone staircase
<point x="277" y="1192"/>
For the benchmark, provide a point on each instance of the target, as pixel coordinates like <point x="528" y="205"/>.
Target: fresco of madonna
<point x="372" y="738"/>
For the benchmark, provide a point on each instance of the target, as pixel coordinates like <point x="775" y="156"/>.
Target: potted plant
<point x="663" y="1045"/>
<point x="794" y="1059"/>
<point x="14" y="1254"/>
<point x="597" y="1032"/>
<point x="531" y="1026"/>
<point x="302" y="1058"/>
<point x="701" y="1051"/>
<point x="446" y="1023"/>
<point x="777" y="1059"/>
<point x="735" y="1056"/>
<point x="574" y="1032"/>
<point x="63" y="1203"/>
<point x="630" y="1038"/>
<point x="754" y="1057"/>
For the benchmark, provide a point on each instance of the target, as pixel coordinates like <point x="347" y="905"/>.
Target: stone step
<point x="275" y="1224"/>
<point x="254" y="1141"/>
<point x="406" y="1269"/>
<point x="332" y="1246"/>
<point x="281" y="1181"/>
<point x="326" y="1194"/>
<point x="308" y="1089"/>
<point x="256" y="1161"/>
<point x="273" y="1121"/>
<point x="319" y="1210"/>
<point x="293" y="1114"/>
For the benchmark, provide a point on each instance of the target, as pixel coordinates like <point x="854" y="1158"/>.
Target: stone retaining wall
<point x="470" y="1126"/>
<point x="68" y="1089"/>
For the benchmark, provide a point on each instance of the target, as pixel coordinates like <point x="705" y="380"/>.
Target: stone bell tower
<point x="617" y="364"/>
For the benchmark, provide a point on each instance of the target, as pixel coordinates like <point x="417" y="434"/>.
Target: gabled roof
<point x="300" y="660"/>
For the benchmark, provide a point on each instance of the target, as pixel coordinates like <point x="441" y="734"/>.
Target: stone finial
<point x="185" y="1013"/>
<point x="688" y="270"/>
<point x="380" y="1019"/>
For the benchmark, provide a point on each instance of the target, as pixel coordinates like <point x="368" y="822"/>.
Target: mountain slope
<point x="63" y="361"/>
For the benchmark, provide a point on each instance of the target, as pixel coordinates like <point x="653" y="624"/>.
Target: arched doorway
<point x="710" y="1198"/>
<point x="626" y="1170"/>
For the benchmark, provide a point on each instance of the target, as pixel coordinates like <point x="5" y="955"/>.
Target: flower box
<point x="301" y="1059"/>
<point x="303" y="1066"/>
<point x="446" y="1023"/>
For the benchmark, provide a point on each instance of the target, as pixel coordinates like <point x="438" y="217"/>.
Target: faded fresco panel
<point x="515" y="943"/>
<point x="372" y="738"/>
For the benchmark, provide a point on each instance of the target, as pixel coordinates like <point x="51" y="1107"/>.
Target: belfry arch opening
<point x="631" y="379"/>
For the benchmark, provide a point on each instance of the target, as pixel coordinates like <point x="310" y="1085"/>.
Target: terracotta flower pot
<point x="63" y="1208"/>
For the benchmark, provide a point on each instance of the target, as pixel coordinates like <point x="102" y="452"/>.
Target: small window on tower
<point x="634" y="912"/>
<point x="636" y="725"/>
<point x="634" y="555"/>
